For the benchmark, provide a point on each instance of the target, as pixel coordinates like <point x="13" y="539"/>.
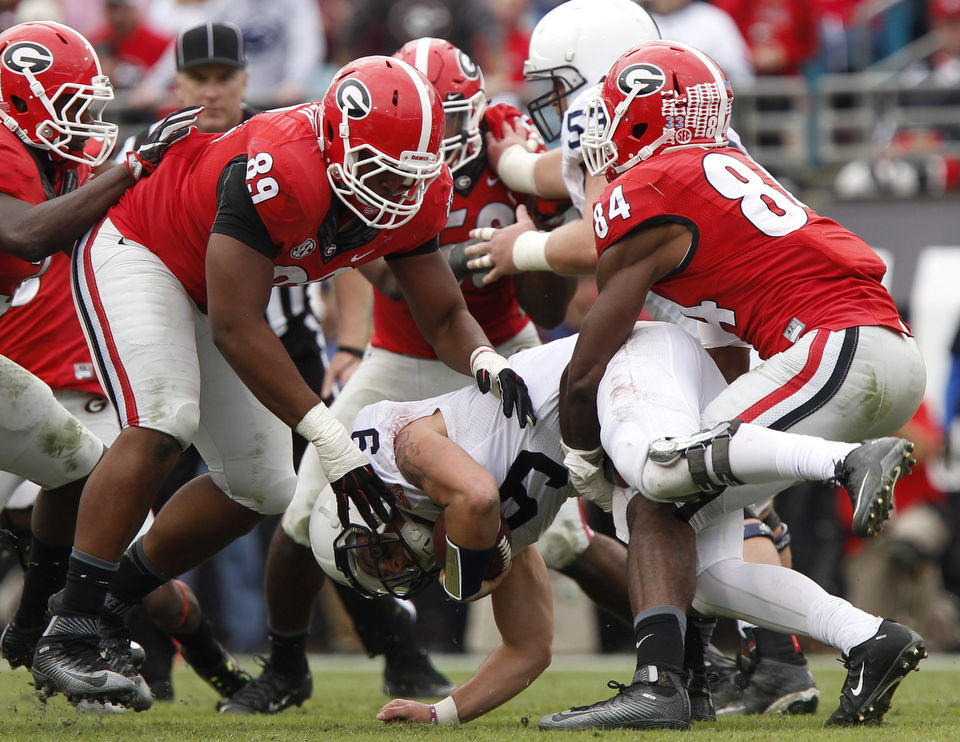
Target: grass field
<point x="347" y="695"/>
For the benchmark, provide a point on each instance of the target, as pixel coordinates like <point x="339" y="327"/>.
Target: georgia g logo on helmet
<point x="354" y="98"/>
<point x="641" y="80"/>
<point x="27" y="55"/>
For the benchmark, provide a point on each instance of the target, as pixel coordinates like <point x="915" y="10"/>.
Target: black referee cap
<point x="211" y="43"/>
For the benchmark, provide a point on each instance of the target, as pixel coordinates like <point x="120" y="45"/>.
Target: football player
<point x="52" y="97"/>
<point x="172" y="288"/>
<point x="695" y="220"/>
<point x="573" y="47"/>
<point x="447" y="455"/>
<point x="400" y="365"/>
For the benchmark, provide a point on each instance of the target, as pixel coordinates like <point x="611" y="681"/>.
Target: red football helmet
<point x="53" y="92"/>
<point x="657" y="97"/>
<point x="381" y="126"/>
<point x="459" y="81"/>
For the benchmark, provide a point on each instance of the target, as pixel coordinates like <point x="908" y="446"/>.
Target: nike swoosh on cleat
<point x="856" y="691"/>
<point x="97" y="681"/>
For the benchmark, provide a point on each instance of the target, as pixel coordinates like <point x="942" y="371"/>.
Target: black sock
<point x="659" y="636"/>
<point x="288" y="653"/>
<point x="697" y="638"/>
<point x="200" y="647"/>
<point x="88" y="579"/>
<point x="777" y="646"/>
<point x="135" y="578"/>
<point x="45" y="574"/>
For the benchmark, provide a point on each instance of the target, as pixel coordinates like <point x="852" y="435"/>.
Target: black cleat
<point x="659" y="701"/>
<point x="18" y="644"/>
<point x="701" y="698"/>
<point x="414" y="676"/>
<point x="226" y="676"/>
<point x="271" y="693"/>
<point x="874" y="670"/>
<point x="126" y="657"/>
<point x="69" y="661"/>
<point x="869" y="473"/>
<point x="773" y="687"/>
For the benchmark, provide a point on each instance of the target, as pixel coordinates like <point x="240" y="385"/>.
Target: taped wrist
<point x="444" y="712"/>
<point x="516" y="169"/>
<point x="337" y="451"/>
<point x="530" y="251"/>
<point x="464" y="570"/>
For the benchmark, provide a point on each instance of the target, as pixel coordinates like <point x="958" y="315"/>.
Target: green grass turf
<point x="347" y="695"/>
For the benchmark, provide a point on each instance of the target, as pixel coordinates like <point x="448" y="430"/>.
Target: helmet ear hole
<point x="19" y="103"/>
<point x="639" y="130"/>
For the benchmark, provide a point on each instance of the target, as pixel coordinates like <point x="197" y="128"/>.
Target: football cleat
<point x="658" y="701"/>
<point x="874" y="671"/>
<point x="414" y="676"/>
<point x="68" y="660"/>
<point x="225" y="676"/>
<point x="270" y="693"/>
<point x="869" y="473"/>
<point x="19" y="643"/>
<point x="701" y="698"/>
<point x="126" y="657"/>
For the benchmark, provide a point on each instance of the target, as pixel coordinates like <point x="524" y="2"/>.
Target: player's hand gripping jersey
<point x="525" y="462"/>
<point x="761" y="264"/>
<point x="268" y="176"/>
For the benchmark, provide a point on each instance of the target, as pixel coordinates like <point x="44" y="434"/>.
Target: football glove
<point x="488" y="366"/>
<point x="587" y="476"/>
<point x="368" y="493"/>
<point x="144" y="159"/>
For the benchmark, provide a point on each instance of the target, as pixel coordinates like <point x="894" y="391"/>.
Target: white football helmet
<point x="574" y="45"/>
<point x="354" y="554"/>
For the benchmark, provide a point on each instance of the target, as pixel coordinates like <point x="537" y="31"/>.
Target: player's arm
<point x="437" y="305"/>
<point x="524" y="171"/>
<point x="354" y="299"/>
<point x="544" y="296"/>
<point x="35" y="231"/>
<point x="452" y="479"/>
<point x="567" y="250"/>
<point x="626" y="271"/>
<point x="733" y="361"/>
<point x="239" y="280"/>
<point x="523" y="610"/>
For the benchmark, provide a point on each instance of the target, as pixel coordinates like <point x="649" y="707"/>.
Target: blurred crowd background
<point x="855" y="104"/>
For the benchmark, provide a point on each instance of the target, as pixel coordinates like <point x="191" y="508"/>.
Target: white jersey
<point x="527" y="462"/>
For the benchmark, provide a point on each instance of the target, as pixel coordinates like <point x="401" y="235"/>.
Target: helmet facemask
<point x="463" y="116"/>
<point x="361" y="165"/>
<point x="547" y="109"/>
<point x="361" y="552"/>
<point x="75" y="117"/>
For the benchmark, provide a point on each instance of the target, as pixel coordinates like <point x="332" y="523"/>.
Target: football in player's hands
<point x="499" y="557"/>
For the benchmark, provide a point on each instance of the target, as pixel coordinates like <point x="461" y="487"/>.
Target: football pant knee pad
<point x="666" y="451"/>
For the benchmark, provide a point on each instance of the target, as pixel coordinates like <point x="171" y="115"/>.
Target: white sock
<point x="836" y="622"/>
<point x="759" y="456"/>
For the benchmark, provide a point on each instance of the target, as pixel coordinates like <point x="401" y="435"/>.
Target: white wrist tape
<point x="337" y="451"/>
<point x="530" y="251"/>
<point x="444" y="712"/>
<point x="516" y="169"/>
<point x="487" y="359"/>
<point x="586" y="475"/>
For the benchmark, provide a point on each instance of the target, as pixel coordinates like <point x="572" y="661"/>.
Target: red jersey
<point x="480" y="199"/>
<point x="20" y="177"/>
<point x="41" y="332"/>
<point x="297" y="216"/>
<point x="761" y="264"/>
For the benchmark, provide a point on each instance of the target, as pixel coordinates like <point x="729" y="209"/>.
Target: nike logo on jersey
<point x="355" y="258"/>
<point x="859" y="687"/>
